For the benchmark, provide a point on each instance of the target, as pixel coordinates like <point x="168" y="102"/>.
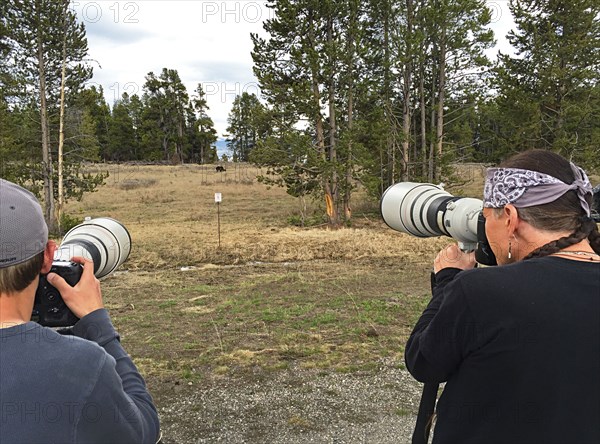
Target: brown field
<point x="271" y="294"/>
<point x="272" y="300"/>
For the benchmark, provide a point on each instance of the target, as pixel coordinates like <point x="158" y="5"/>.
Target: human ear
<point x="512" y="218"/>
<point x="49" y="251"/>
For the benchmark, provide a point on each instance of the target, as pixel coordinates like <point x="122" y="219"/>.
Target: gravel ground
<point x="295" y="406"/>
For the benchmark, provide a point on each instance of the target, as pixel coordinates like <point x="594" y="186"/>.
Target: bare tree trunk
<point x="441" y="100"/>
<point x="320" y="133"/>
<point x="432" y="166"/>
<point x="61" y="130"/>
<point x="333" y="133"/>
<point x="180" y="139"/>
<point x="47" y="173"/>
<point x="407" y="78"/>
<point x="406" y="130"/>
<point x="390" y="148"/>
<point x="165" y="146"/>
<point x="201" y="147"/>
<point x="327" y="186"/>
<point x="414" y="171"/>
<point x="423" y="118"/>
<point x="350" y="161"/>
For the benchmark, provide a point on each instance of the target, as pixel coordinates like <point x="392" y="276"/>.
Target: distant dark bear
<point x="220" y="169"/>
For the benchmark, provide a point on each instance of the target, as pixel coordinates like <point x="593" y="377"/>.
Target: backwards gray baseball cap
<point x="23" y="230"/>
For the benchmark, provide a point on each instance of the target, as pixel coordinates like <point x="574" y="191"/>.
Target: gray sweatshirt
<point x="79" y="388"/>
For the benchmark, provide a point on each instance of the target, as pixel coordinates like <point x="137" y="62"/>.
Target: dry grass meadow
<point x="273" y="301"/>
<point x="272" y="297"/>
<point x="270" y="294"/>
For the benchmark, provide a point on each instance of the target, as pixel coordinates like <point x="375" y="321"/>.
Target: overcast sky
<point x="206" y="41"/>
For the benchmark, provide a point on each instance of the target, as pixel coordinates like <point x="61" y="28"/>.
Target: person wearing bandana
<point x="518" y="345"/>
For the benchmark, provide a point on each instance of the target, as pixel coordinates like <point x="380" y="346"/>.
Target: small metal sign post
<point x="218" y="199"/>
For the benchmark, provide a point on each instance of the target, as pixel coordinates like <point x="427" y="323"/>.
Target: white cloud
<point x="207" y="42"/>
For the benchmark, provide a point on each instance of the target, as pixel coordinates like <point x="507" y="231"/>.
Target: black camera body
<point x="105" y="241"/>
<point x="596" y="204"/>
<point x="49" y="309"/>
<point x="483" y="253"/>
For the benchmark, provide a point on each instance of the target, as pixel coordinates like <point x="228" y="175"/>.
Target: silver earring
<point x="509" y="249"/>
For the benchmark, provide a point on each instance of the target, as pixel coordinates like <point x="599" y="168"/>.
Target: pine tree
<point x="91" y="101"/>
<point x="38" y="31"/>
<point x="548" y="90"/>
<point x="6" y="75"/>
<point x="202" y="128"/>
<point x="298" y="68"/>
<point x="369" y="84"/>
<point x="135" y="107"/>
<point x="246" y="125"/>
<point x="458" y="43"/>
<point x="177" y="100"/>
<point x="165" y="99"/>
<point x="122" y="138"/>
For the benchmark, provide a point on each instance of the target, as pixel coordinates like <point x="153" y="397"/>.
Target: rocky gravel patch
<point x="294" y="406"/>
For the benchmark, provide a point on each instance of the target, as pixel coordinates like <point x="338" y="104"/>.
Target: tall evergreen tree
<point x="38" y="31"/>
<point x="298" y="68"/>
<point x="177" y="100"/>
<point x="165" y="99"/>
<point x="6" y="76"/>
<point x="91" y="101"/>
<point x="380" y="125"/>
<point x="202" y="130"/>
<point x="548" y="92"/>
<point x="122" y="144"/>
<point x="459" y="37"/>
<point x="360" y="78"/>
<point x="246" y="125"/>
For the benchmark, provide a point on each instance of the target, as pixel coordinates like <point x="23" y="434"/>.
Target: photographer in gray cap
<point x="60" y="388"/>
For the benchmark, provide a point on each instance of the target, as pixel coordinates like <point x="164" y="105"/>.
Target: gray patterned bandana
<point x="526" y="188"/>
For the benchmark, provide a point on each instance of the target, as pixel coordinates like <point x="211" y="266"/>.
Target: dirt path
<point x="294" y="406"/>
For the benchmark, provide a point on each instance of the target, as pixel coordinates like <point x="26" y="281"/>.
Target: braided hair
<point x="563" y="214"/>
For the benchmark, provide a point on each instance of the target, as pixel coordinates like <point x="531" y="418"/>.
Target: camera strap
<point x="427" y="403"/>
<point x="425" y="415"/>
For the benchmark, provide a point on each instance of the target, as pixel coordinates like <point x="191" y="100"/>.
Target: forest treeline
<point x="353" y="92"/>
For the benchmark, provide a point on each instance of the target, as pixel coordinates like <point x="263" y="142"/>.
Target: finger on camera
<point x="58" y="282"/>
<point x="453" y="257"/>
<point x="87" y="263"/>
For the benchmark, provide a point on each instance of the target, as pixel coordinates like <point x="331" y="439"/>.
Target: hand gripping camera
<point x="426" y="210"/>
<point x="103" y="240"/>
